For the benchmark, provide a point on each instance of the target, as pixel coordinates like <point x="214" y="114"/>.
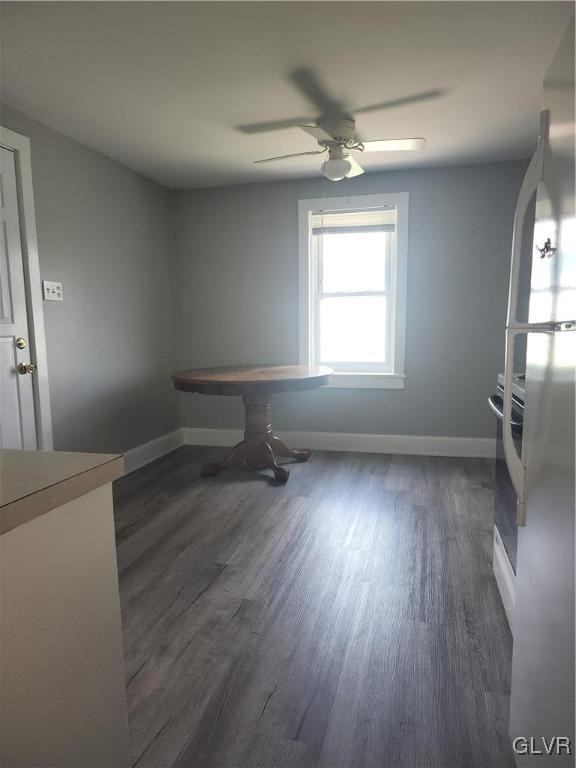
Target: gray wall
<point x="132" y="313"/>
<point x="237" y="266"/>
<point x="103" y="230"/>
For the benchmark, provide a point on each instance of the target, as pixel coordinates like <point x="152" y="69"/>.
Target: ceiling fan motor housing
<point x="341" y="127"/>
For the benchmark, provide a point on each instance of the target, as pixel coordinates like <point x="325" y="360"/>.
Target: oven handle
<point x="495" y="403"/>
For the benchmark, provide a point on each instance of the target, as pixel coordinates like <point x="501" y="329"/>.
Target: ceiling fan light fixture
<point x="336" y="169"/>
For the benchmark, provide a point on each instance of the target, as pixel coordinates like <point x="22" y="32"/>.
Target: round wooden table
<point x="260" y="446"/>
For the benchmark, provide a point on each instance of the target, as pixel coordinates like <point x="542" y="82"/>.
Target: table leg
<point x="258" y="435"/>
<point x="281" y="474"/>
<point x="260" y="447"/>
<point x="281" y="449"/>
<point x="237" y="455"/>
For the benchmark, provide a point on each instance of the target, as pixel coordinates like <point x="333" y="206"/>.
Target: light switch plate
<point x="52" y="290"/>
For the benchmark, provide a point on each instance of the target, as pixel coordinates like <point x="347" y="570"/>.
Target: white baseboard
<point x="144" y="454"/>
<point x="477" y="447"/>
<point x="505" y="578"/>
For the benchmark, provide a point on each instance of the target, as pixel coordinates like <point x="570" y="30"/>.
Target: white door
<point x="17" y="416"/>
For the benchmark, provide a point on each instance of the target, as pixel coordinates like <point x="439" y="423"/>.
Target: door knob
<point x="24" y="368"/>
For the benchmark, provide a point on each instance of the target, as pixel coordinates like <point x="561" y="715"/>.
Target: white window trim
<point x="20" y="145"/>
<point x="307" y="283"/>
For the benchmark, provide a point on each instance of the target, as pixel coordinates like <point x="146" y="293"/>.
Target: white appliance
<point x="542" y="695"/>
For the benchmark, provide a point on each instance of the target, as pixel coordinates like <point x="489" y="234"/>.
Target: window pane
<point x="353" y="329"/>
<point x="353" y="261"/>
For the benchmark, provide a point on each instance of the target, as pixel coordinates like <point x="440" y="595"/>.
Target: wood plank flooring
<point x="348" y="619"/>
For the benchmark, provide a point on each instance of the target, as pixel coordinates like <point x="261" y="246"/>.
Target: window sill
<point x="366" y="381"/>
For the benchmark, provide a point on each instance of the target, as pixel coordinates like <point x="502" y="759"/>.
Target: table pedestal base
<point x="260" y="446"/>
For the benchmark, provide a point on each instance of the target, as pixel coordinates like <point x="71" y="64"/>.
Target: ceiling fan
<point x="335" y="128"/>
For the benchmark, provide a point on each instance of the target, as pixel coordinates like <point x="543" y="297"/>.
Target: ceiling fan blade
<point x="414" y="99"/>
<point x="274" y="125"/>
<point x="394" y="145"/>
<point x="286" y="157"/>
<point x="307" y="82"/>
<point x="356" y="169"/>
<point x="318" y="133"/>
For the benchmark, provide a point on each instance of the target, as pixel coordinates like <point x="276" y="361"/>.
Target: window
<point x="353" y="287"/>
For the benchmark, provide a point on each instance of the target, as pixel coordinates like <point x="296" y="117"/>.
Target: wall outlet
<point x="52" y="291"/>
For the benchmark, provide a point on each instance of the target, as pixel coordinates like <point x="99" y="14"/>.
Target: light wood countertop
<point x="34" y="482"/>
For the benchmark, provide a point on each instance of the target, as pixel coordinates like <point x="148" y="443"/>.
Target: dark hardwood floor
<point x="349" y="618"/>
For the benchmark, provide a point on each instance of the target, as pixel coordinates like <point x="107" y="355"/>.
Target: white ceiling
<point x="161" y="86"/>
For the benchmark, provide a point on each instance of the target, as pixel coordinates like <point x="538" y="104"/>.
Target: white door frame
<point x="20" y="145"/>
